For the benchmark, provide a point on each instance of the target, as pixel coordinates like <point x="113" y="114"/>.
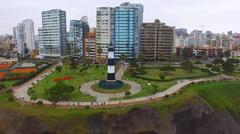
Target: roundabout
<point x="87" y="89"/>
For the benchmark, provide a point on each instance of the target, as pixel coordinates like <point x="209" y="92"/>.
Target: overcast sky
<point x="215" y="15"/>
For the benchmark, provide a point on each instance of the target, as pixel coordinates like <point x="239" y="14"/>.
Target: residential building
<point x="24" y="36"/>
<point x="104" y="30"/>
<point x="76" y="37"/>
<point x="90" y="47"/>
<point x="29" y="34"/>
<point x="54" y="34"/>
<point x="235" y="54"/>
<point x="128" y="19"/>
<point x="157" y="41"/>
<point x="19" y="36"/>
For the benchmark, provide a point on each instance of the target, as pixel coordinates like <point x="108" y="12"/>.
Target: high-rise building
<point x="76" y="37"/>
<point x="128" y="19"/>
<point x="104" y="30"/>
<point x="90" y="48"/>
<point x="54" y="34"/>
<point x="19" y="36"/>
<point x="157" y="41"/>
<point x="40" y="37"/>
<point x="24" y="36"/>
<point x="29" y="34"/>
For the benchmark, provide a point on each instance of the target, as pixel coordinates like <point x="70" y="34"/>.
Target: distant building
<point x="235" y="54"/>
<point x="128" y="19"/>
<point x="24" y="68"/>
<point x="54" y="34"/>
<point x="90" y="47"/>
<point x="19" y="36"/>
<point x="157" y="41"/>
<point x="181" y="32"/>
<point x="76" y="37"/>
<point x="24" y="36"/>
<point x="29" y="34"/>
<point x="104" y="30"/>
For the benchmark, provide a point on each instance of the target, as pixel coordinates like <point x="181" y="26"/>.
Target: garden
<point x="70" y="77"/>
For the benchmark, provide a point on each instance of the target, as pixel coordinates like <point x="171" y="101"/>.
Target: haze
<point x="217" y="16"/>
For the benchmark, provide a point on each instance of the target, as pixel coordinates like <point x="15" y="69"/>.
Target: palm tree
<point x="122" y="59"/>
<point x="99" y="51"/>
<point x="66" y="62"/>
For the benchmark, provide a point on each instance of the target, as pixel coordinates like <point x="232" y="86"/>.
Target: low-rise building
<point x="90" y="47"/>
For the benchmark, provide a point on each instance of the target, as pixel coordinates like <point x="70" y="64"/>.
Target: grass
<point x="153" y="73"/>
<point x="220" y="95"/>
<point x="93" y="73"/>
<point x="123" y="89"/>
<point x="8" y="84"/>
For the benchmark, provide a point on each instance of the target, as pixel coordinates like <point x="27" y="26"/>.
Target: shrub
<point x="127" y="93"/>
<point x="39" y="102"/>
<point x="11" y="98"/>
<point x="162" y="76"/>
<point x="59" y="68"/>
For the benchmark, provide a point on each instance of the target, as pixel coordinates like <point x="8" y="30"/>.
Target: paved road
<point x="21" y="95"/>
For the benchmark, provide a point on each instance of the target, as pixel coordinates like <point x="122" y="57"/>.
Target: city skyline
<point x="188" y="14"/>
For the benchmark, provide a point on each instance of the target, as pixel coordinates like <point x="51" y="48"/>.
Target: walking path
<point x="20" y="93"/>
<point x="121" y="71"/>
<point x="87" y="89"/>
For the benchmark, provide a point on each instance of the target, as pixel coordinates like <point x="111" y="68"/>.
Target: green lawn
<point x="220" y="95"/>
<point x="123" y="89"/>
<point x="153" y="73"/>
<point x="93" y="73"/>
<point x="8" y="84"/>
<point x="170" y="80"/>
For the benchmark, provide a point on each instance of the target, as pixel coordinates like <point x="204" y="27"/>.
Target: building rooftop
<point x="24" y="65"/>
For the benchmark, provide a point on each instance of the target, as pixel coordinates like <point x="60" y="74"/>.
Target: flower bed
<point x="66" y="78"/>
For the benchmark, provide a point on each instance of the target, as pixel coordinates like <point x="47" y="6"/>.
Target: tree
<point x="2" y="87"/>
<point x="59" y="92"/>
<point x="187" y="65"/>
<point x="66" y="62"/>
<point x="122" y="59"/>
<point x="99" y="51"/>
<point x="155" y="90"/>
<point x="229" y="66"/>
<point x="59" y="68"/>
<point x="162" y="75"/>
<point x="128" y="93"/>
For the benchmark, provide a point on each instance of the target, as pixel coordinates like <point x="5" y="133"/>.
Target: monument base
<point x="106" y="84"/>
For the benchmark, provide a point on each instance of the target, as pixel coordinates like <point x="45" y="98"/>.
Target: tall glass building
<point x="54" y="34"/>
<point x="76" y="37"/>
<point x="77" y="33"/>
<point x="128" y="19"/>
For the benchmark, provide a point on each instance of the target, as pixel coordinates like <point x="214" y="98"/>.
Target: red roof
<point x="4" y="66"/>
<point x="2" y="75"/>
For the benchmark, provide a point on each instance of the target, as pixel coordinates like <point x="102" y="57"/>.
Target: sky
<point x="215" y="15"/>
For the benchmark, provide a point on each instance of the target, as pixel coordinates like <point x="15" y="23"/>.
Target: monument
<point x="111" y="82"/>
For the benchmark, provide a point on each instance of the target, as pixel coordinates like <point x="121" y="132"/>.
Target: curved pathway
<point x="87" y="89"/>
<point x="20" y="93"/>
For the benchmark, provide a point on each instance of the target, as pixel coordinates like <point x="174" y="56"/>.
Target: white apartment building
<point x="104" y="30"/>
<point x="24" y="36"/>
<point x="29" y="34"/>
